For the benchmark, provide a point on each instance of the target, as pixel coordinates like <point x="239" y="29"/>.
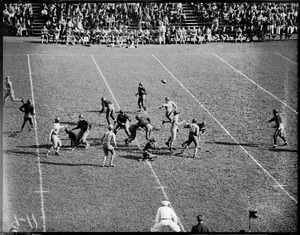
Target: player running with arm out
<point x="123" y="121"/>
<point x="107" y="140"/>
<point x="141" y="96"/>
<point x="9" y="91"/>
<point x="169" y="109"/>
<point x="279" y="131"/>
<point x="53" y="137"/>
<point x="174" y="128"/>
<point x="110" y="110"/>
<point x="193" y="136"/>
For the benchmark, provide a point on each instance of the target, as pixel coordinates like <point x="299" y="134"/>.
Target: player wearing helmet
<point x="109" y="109"/>
<point x="28" y="111"/>
<point x="147" y="153"/>
<point x="132" y="130"/>
<point x="141" y="96"/>
<point x="84" y="127"/>
<point x="279" y="131"/>
<point x="174" y="128"/>
<point x="107" y="140"/>
<point x="193" y="136"/>
<point x="145" y="123"/>
<point x="9" y="91"/>
<point x="169" y="109"/>
<point x="123" y="121"/>
<point x="53" y="137"/>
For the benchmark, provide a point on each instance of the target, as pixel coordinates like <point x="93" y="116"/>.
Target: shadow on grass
<point x="132" y="157"/>
<point x="69" y="164"/>
<point x="69" y="123"/>
<point x="19" y="152"/>
<point x="283" y="150"/>
<point x="235" y="144"/>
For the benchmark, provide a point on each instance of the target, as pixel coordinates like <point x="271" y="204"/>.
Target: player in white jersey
<point x="169" y="109"/>
<point x="107" y="140"/>
<point x="53" y="137"/>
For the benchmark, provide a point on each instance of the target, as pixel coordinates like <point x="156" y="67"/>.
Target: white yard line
<point x="238" y="144"/>
<point x="286" y="58"/>
<point x="256" y="84"/>
<point x="148" y="163"/>
<point x="41" y="191"/>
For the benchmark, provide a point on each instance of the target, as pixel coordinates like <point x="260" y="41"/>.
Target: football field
<point x="233" y="87"/>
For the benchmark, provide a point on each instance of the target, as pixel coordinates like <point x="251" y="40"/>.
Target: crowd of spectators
<point x="133" y="23"/>
<point x="20" y="17"/>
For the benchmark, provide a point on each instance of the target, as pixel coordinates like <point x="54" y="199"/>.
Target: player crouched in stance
<point x="174" y="128"/>
<point x="147" y="154"/>
<point x="84" y="127"/>
<point x="279" y="132"/>
<point x="193" y="136"/>
<point x="53" y="137"/>
<point x="107" y="140"/>
<point x="165" y="217"/>
<point x="123" y="121"/>
<point x="28" y="111"/>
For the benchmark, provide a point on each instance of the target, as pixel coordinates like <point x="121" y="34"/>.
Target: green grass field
<point x="234" y="87"/>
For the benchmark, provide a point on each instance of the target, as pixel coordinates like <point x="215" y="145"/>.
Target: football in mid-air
<point x="163" y="81"/>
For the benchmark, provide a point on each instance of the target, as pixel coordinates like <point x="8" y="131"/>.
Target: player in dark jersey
<point x="147" y="153"/>
<point x="141" y="96"/>
<point x="123" y="121"/>
<point x="110" y="110"/>
<point x="84" y="127"/>
<point x="28" y="111"/>
<point x="279" y="132"/>
<point x="193" y="136"/>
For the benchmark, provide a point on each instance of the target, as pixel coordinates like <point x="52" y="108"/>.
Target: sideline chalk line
<point x="37" y="149"/>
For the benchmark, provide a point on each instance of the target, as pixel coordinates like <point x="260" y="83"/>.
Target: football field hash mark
<point x="148" y="163"/>
<point x="226" y="131"/>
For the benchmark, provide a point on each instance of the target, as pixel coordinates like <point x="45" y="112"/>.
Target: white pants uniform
<point x="164" y="223"/>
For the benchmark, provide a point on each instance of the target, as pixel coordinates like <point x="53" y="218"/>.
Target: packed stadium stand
<point x="151" y="22"/>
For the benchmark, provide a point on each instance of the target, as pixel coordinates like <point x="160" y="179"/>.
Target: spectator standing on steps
<point x="165" y="216"/>
<point x="201" y="227"/>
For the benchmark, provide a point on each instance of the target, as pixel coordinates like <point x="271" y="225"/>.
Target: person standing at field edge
<point x="201" y="227"/>
<point x="107" y="140"/>
<point x="9" y="91"/>
<point x="165" y="216"/>
<point x="141" y="96"/>
<point x="279" y="128"/>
